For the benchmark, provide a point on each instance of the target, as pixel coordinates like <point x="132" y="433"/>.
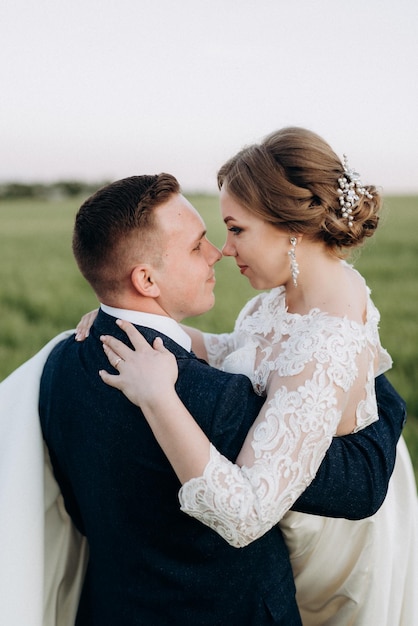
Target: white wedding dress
<point x="43" y="558"/>
<point x="312" y="368"/>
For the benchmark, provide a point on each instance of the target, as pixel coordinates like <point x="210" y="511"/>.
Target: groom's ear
<point x="142" y="278"/>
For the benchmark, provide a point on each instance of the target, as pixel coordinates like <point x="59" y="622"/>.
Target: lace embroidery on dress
<point x="312" y="368"/>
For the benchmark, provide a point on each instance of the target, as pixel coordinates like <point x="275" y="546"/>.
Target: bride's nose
<point x="228" y="249"/>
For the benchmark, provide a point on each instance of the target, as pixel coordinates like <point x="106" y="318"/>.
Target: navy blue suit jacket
<point x="149" y="562"/>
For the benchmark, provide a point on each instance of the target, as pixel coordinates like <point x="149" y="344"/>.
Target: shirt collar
<point x="163" y="324"/>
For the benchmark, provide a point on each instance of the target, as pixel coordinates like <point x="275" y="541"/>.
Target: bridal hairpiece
<point x="350" y="190"/>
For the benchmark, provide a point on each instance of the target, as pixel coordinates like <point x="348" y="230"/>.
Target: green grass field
<point x="42" y="292"/>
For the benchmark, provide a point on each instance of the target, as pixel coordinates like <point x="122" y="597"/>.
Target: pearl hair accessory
<point x="350" y="190"/>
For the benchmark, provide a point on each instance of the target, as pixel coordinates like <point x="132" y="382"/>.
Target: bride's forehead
<point x="232" y="209"/>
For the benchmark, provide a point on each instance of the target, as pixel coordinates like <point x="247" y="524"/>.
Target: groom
<point x="143" y="248"/>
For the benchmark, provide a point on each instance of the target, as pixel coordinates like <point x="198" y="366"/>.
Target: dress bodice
<point x="314" y="369"/>
<point x="263" y="324"/>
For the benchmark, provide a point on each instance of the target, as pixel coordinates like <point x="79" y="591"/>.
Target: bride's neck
<point x="320" y="281"/>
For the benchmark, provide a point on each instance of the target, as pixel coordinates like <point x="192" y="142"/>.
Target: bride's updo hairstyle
<point x="294" y="180"/>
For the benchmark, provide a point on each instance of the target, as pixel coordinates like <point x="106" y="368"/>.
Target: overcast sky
<point x="103" y="89"/>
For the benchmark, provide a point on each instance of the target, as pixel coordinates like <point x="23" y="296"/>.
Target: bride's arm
<point x="352" y="480"/>
<point x="219" y="344"/>
<point x="212" y="347"/>
<point x="196" y="336"/>
<point x="282" y="451"/>
<point x="198" y="343"/>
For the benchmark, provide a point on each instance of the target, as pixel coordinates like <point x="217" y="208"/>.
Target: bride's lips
<point x="242" y="268"/>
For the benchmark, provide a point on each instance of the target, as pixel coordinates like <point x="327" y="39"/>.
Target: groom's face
<point x="186" y="277"/>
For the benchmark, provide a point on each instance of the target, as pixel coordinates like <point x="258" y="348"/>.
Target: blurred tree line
<point x="48" y="191"/>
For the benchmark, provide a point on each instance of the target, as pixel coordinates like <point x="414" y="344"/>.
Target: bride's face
<point x="260" y="249"/>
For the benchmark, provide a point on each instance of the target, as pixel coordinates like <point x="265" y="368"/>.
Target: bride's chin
<point x="256" y="282"/>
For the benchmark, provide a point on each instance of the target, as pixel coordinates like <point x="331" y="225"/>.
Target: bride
<point x="310" y="344"/>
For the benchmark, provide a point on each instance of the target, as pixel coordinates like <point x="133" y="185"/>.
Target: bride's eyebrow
<point x="229" y="218"/>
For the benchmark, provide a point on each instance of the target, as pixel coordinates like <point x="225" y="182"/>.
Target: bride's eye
<point x="235" y="229"/>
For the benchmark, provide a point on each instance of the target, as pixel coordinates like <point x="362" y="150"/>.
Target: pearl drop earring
<point x="294" y="267"/>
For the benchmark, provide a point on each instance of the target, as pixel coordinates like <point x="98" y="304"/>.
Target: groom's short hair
<point x="115" y="230"/>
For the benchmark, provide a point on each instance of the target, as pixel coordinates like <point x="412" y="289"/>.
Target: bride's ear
<point x="142" y="278"/>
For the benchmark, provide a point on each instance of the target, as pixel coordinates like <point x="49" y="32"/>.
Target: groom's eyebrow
<point x="199" y="237"/>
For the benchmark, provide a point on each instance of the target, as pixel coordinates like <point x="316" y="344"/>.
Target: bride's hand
<point x="84" y="325"/>
<point x="145" y="373"/>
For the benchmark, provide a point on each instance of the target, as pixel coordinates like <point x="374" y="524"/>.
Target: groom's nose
<point x="213" y="254"/>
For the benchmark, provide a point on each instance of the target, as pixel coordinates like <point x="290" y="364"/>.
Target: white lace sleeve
<point x="218" y="347"/>
<point x="316" y="370"/>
